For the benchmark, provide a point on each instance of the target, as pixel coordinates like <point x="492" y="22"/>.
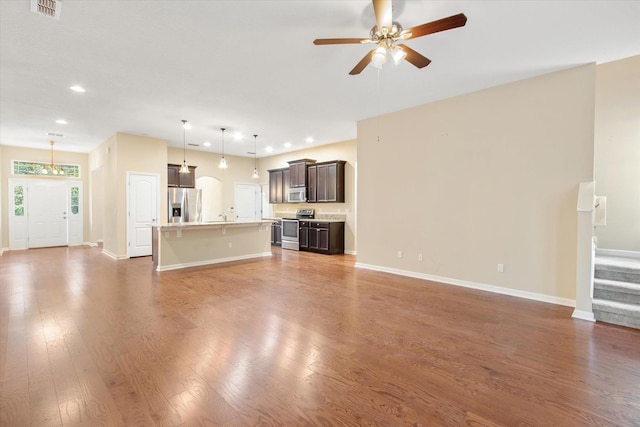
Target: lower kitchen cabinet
<point x="276" y="233"/>
<point x="322" y="237"/>
<point x="303" y="235"/>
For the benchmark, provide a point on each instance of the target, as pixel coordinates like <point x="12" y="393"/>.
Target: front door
<point x="47" y="203"/>
<point x="143" y="213"/>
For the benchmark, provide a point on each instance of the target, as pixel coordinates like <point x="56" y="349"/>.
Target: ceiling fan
<point x="387" y="33"/>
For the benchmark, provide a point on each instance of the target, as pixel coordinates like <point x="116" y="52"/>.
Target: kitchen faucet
<point x="224" y="217"/>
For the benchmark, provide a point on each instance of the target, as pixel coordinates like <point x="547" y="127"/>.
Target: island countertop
<point x="210" y="224"/>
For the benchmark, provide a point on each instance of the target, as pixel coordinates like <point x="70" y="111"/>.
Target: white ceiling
<point x="251" y="66"/>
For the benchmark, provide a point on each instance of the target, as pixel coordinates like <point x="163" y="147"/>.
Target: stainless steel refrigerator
<point x="185" y="205"/>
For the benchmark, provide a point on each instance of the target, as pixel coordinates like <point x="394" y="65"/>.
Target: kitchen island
<point x="193" y="244"/>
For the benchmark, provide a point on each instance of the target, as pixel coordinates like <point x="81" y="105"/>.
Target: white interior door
<point x="143" y="212"/>
<point x="47" y="213"/>
<point x="265" y="206"/>
<point x="247" y="202"/>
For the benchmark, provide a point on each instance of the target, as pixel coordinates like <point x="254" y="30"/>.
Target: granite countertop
<point x="210" y="224"/>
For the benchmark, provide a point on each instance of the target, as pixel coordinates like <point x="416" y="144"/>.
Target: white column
<point x="584" y="264"/>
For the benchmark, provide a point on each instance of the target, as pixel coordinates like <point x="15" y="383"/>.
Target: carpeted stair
<point x="616" y="290"/>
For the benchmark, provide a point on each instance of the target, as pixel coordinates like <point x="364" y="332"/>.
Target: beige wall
<point x="485" y="178"/>
<point x="110" y="162"/>
<point x="617" y="152"/>
<point x="10" y="153"/>
<point x="346" y="150"/>
<point x="239" y="171"/>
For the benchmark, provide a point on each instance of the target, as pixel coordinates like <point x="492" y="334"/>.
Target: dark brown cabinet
<point x="278" y="185"/>
<point x="276" y="233"/>
<point x="298" y="172"/>
<point x="322" y="237"/>
<point x="303" y="236"/>
<point x="182" y="180"/>
<point x="285" y="185"/>
<point x="328" y="182"/>
<point x="311" y="183"/>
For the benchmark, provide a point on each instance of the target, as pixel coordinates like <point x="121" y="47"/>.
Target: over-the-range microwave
<point x="297" y="195"/>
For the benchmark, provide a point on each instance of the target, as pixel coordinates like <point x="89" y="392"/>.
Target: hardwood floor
<point x="296" y="339"/>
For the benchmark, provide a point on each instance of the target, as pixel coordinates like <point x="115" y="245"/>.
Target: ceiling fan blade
<point x="383" y="11"/>
<point x="339" y="41"/>
<point x="362" y="64"/>
<point x="443" y="24"/>
<point x="414" y="57"/>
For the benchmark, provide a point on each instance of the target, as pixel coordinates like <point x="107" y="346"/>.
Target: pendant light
<point x="223" y="162"/>
<point x="52" y="169"/>
<point x="255" y="158"/>
<point x="184" y="168"/>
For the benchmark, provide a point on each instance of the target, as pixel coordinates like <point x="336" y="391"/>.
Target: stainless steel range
<point x="291" y="229"/>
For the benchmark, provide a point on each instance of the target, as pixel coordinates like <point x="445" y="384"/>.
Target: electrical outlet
<point x="419" y="257"/>
<point x="399" y="254"/>
<point x="230" y="244"/>
<point x="500" y="268"/>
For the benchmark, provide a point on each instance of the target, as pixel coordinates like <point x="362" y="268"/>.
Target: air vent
<point x="50" y="8"/>
<point x="193" y="145"/>
<point x="57" y="135"/>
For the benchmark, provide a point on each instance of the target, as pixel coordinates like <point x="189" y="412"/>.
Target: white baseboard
<point x="583" y="315"/>
<point x="351" y="252"/>
<point x="91" y="244"/>
<point x="113" y="256"/>
<point x="473" y="285"/>
<point x="618" y="253"/>
<point x="3" y="250"/>
<point x="215" y="261"/>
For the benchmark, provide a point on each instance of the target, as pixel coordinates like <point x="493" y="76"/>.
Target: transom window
<point x="37" y="168"/>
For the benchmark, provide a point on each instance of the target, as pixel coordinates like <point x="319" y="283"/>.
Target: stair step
<point x="613" y="290"/>
<point x="617" y="313"/>
<point x="617" y="268"/>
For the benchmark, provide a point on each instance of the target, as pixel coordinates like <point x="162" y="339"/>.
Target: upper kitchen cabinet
<point x="279" y="185"/>
<point x="312" y="183"/>
<point x="182" y="180"/>
<point x="298" y="172"/>
<point x="326" y="182"/>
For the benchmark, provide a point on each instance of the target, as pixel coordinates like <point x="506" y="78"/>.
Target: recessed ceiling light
<point x="309" y="140"/>
<point x="77" y="89"/>
<point x="187" y="125"/>
<point x="61" y="121"/>
<point x="206" y="144"/>
<point x="287" y="144"/>
<point x="269" y="149"/>
<point x="237" y="136"/>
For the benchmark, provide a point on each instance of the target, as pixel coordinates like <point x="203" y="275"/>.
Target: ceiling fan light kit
<point x="387" y="33"/>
